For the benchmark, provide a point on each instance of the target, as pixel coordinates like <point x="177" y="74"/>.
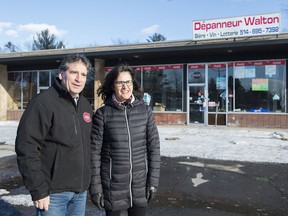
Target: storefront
<point x="217" y="93"/>
<point x="224" y="93"/>
<point x="235" y="82"/>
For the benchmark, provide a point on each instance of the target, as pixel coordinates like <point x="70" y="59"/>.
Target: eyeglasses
<point x="121" y="83"/>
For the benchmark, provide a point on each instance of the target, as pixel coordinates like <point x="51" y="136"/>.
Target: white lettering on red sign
<point x="260" y="63"/>
<point x="196" y="66"/>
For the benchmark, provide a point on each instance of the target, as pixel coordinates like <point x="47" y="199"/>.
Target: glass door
<point x="197" y="112"/>
<point x="196" y="104"/>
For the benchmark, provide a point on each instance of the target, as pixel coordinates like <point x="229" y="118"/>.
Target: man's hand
<point x="42" y="203"/>
<point x="150" y="193"/>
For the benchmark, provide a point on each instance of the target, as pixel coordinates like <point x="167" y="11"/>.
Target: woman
<point x="125" y="147"/>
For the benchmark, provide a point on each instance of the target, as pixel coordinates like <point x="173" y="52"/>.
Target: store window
<point x="217" y="87"/>
<point x="14" y="90"/>
<point x="230" y="87"/>
<point x="44" y="78"/>
<point x="23" y="86"/>
<point x="29" y="87"/>
<point x="88" y="90"/>
<point x="196" y="73"/>
<point x="260" y="86"/>
<point x="164" y="86"/>
<point x="54" y="74"/>
<point x="138" y="75"/>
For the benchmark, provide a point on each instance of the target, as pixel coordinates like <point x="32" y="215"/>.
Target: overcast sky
<point x="97" y="22"/>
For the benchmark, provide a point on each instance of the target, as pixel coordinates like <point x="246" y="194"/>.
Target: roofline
<point x="147" y="47"/>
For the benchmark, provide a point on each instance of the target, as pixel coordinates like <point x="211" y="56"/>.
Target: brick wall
<point x="14" y="115"/>
<point x="258" y="120"/>
<point x="234" y="120"/>
<point x="170" y="118"/>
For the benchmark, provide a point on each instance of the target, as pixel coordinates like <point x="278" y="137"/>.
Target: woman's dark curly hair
<point x="106" y="90"/>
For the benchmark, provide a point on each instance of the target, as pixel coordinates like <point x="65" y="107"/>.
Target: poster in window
<point x="259" y="84"/>
<point x="250" y="71"/>
<point x="270" y="70"/>
<point x="221" y="83"/>
<point x="239" y="72"/>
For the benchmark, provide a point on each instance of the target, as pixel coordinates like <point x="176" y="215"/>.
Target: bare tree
<point x="10" y="47"/>
<point x="120" y="42"/>
<point x="123" y="42"/>
<point x="28" y="46"/>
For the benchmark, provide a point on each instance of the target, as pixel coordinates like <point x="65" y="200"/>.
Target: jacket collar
<point x="62" y="91"/>
<point x="125" y="103"/>
<point x="114" y="103"/>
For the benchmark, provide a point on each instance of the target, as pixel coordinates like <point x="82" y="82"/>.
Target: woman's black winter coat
<point x="125" y="154"/>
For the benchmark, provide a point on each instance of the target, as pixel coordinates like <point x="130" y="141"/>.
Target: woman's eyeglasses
<point x="121" y="83"/>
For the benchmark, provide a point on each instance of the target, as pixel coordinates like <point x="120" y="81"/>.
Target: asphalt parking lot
<point x="190" y="186"/>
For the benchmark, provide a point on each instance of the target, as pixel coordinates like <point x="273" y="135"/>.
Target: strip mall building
<point x="226" y="75"/>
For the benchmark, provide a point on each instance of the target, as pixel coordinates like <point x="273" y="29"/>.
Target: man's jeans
<point x="65" y="203"/>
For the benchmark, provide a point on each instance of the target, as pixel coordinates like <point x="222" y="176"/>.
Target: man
<point x="53" y="142"/>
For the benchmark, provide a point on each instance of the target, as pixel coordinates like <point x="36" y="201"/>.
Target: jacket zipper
<point x="146" y="163"/>
<point x="75" y="127"/>
<point x="130" y="159"/>
<point x="81" y="142"/>
<point x="110" y="174"/>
